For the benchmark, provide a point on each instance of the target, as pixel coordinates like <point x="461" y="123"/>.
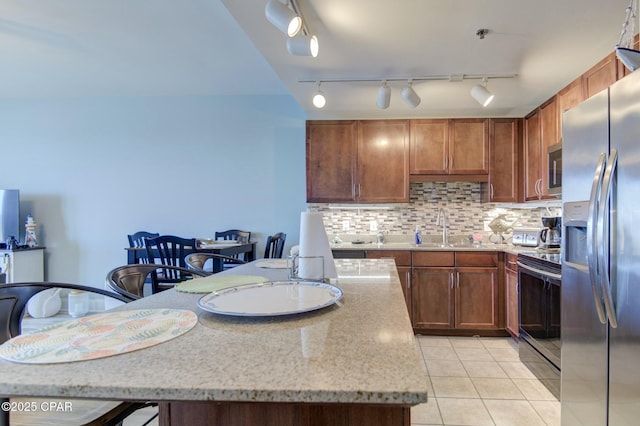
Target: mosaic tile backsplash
<point x="461" y="202"/>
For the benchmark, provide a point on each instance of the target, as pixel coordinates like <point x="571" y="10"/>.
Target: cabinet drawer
<point x="433" y="258"/>
<point x="467" y="258"/>
<point x="511" y="262"/>
<point x="402" y="258"/>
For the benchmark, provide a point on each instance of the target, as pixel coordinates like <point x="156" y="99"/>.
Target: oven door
<point x="539" y="305"/>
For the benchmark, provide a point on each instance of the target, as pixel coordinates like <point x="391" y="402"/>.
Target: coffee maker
<point x="550" y="237"/>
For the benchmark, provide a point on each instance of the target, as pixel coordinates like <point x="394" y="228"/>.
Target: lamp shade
<point x="384" y="96"/>
<point x="283" y="18"/>
<point x="302" y="45"/>
<point x="410" y="96"/>
<point x="629" y="57"/>
<point x="481" y="95"/>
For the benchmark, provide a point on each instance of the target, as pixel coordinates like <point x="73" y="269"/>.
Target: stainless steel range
<point x="539" y="280"/>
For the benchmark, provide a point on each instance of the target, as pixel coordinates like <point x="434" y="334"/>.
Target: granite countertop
<point x="361" y="350"/>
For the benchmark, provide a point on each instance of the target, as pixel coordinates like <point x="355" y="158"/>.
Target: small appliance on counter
<point x="550" y="236"/>
<point x="526" y="237"/>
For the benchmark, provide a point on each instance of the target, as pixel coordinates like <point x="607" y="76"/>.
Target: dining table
<point x="246" y="359"/>
<point x="227" y="248"/>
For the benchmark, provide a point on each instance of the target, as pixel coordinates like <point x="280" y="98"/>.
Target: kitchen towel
<point x="314" y="242"/>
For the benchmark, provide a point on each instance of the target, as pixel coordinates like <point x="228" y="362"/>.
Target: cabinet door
<point x="548" y="137"/>
<point x="567" y="98"/>
<point x="476" y="296"/>
<point x="503" y="163"/>
<point x="383" y="161"/>
<point x="331" y="161"/>
<point x="429" y="147"/>
<point x="469" y="146"/>
<point x="404" y="273"/>
<point x="511" y="281"/>
<point x="600" y="76"/>
<point x="432" y="297"/>
<point x="532" y="157"/>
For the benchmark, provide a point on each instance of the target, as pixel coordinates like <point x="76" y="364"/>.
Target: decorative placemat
<point x="272" y="264"/>
<point x="217" y="282"/>
<point x="98" y="336"/>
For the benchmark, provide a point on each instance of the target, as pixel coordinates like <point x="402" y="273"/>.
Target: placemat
<point x="217" y="282"/>
<point x="273" y="264"/>
<point x="98" y="336"/>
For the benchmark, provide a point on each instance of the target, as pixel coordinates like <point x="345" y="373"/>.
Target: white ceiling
<point x="77" y="48"/>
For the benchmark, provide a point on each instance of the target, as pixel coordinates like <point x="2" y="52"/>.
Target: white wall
<point x="93" y="171"/>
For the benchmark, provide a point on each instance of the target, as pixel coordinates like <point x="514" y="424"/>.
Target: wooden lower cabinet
<point x="432" y="297"/>
<point x="511" y="286"/>
<point x="457" y="293"/>
<point x="403" y="265"/>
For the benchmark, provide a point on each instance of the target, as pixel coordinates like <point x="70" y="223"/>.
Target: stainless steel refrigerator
<point x="600" y="323"/>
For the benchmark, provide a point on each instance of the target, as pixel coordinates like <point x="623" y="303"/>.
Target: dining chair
<point x="237" y="235"/>
<point x="197" y="261"/>
<point x="13" y="304"/>
<point x="137" y="241"/>
<point x="169" y="250"/>
<point x="275" y="246"/>
<point x="129" y="280"/>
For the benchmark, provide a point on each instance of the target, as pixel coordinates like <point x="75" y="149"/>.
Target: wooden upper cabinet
<point x="449" y="147"/>
<point x="429" y="147"/>
<point x="469" y="146"/>
<point x="566" y="99"/>
<point x="548" y="136"/>
<point x="383" y="161"/>
<point x="357" y="161"/>
<point x="331" y="161"/>
<point x="600" y="76"/>
<point x="532" y="156"/>
<point x="504" y="136"/>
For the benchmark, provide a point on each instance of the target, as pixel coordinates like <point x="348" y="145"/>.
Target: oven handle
<point x="539" y="271"/>
<point x="592" y="237"/>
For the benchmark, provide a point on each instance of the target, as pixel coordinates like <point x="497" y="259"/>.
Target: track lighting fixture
<point x="480" y="93"/>
<point x="283" y="18"/>
<point x="303" y="45"/>
<point x="384" y="95"/>
<point x="410" y="96"/>
<point x="319" y="100"/>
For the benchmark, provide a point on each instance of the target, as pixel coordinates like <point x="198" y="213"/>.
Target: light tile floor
<point x="471" y="381"/>
<point x="481" y="381"/>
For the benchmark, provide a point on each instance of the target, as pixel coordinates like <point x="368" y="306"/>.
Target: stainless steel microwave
<point x="554" y="156"/>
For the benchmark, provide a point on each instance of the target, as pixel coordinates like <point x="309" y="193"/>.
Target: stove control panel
<point x="526" y="237"/>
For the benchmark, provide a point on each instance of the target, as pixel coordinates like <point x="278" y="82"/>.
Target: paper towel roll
<point x="314" y="242"/>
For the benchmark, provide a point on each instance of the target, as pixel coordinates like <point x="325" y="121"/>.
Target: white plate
<point x="271" y="298"/>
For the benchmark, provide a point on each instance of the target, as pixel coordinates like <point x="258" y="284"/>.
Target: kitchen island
<point x="355" y="362"/>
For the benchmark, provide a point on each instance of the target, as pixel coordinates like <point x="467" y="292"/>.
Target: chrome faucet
<point x="443" y="222"/>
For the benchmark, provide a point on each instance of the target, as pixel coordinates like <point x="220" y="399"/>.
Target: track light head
<point x="480" y="93"/>
<point x="283" y="18"/>
<point x="302" y="45"/>
<point x="384" y="96"/>
<point x="319" y="101"/>
<point x="410" y="96"/>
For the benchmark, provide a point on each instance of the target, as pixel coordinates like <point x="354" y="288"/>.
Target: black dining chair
<point x="13" y="304"/>
<point x="237" y="235"/>
<point x="169" y="250"/>
<point x="129" y="280"/>
<point x="275" y="246"/>
<point x="197" y="261"/>
<point x="137" y="241"/>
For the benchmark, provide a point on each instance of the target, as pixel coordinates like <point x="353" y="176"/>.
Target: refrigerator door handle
<point x="605" y="233"/>
<point x="592" y="240"/>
